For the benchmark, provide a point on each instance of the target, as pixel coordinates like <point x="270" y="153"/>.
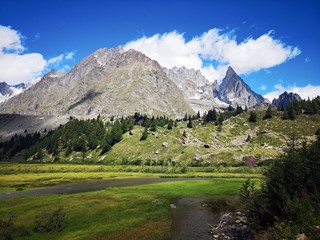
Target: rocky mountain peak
<point x="285" y="98"/>
<point x="195" y="87"/>
<point x="233" y="90"/>
<point x="110" y="82"/>
<point x="134" y="57"/>
<point x="230" y="73"/>
<point x="5" y="89"/>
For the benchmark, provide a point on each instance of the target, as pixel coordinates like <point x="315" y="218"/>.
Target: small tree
<point x="268" y="113"/>
<point x="189" y="125"/>
<point x="144" y="134"/>
<point x="253" y="117"/>
<point x="153" y="126"/>
<point x="239" y="110"/>
<point x="170" y="123"/>
<point x="185" y="117"/>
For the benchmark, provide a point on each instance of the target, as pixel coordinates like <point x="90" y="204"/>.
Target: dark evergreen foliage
<point x="291" y="190"/>
<point x="253" y="116"/>
<point x="144" y="134"/>
<point x="190" y="125"/>
<point x="268" y="113"/>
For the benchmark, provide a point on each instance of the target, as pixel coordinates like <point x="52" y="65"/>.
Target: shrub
<point x="7" y="227"/>
<point x="50" y="220"/>
<point x="290" y="192"/>
<point x="253" y="117"/>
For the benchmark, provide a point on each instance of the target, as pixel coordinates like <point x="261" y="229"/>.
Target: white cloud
<point x="171" y="49"/>
<point x="263" y="87"/>
<point x="69" y="56"/>
<point x="305" y="92"/>
<point x="16" y="67"/>
<point x="10" y="40"/>
<point x="307" y="60"/>
<point x="55" y="60"/>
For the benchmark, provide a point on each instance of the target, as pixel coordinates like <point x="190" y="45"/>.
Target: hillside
<point x="202" y="145"/>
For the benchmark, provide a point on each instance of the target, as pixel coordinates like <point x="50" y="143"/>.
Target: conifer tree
<point x="253" y="116"/>
<point x="189" y="125"/>
<point x="144" y="134"/>
<point x="268" y="113"/>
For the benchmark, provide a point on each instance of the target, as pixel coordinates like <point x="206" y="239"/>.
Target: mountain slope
<point x="235" y="91"/>
<point x="195" y="87"/>
<point x="109" y="81"/>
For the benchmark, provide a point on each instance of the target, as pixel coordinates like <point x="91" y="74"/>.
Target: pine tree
<point x="185" y="117"/>
<point x="153" y="126"/>
<point x="291" y="111"/>
<point x="170" y="124"/>
<point x="230" y="108"/>
<point x="198" y="115"/>
<point x="239" y="110"/>
<point x="220" y="119"/>
<point x="268" y="113"/>
<point x="189" y="125"/>
<point x="144" y="134"/>
<point x="253" y="117"/>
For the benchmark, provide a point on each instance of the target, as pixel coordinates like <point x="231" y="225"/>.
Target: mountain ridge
<point x="235" y="91"/>
<point x="109" y="81"/>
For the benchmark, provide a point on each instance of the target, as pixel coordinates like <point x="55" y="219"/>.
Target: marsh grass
<point x="118" y="212"/>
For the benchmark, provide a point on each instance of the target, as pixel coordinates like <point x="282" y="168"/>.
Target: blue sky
<point x="274" y="45"/>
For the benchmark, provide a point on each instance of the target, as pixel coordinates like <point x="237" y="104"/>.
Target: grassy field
<point x="21" y="177"/>
<point x="136" y="212"/>
<point x="139" y="212"/>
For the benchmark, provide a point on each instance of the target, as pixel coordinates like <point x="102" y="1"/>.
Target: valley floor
<point x="118" y="212"/>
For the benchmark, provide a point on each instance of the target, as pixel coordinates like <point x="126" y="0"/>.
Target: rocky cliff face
<point x="284" y="99"/>
<point x="109" y="81"/>
<point x="233" y="90"/>
<point x="5" y="89"/>
<point x="196" y="88"/>
<point x="8" y="91"/>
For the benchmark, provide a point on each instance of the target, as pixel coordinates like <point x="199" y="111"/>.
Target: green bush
<point x="50" y="220"/>
<point x="7" y="228"/>
<point x="291" y="191"/>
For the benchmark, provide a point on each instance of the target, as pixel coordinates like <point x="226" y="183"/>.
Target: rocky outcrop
<point x="233" y="90"/>
<point x="5" y="89"/>
<point x="110" y="82"/>
<point x="284" y="99"/>
<point x="196" y="88"/>
<point x="233" y="225"/>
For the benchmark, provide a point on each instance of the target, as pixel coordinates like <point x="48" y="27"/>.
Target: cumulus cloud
<point x="306" y="92"/>
<point x="17" y="67"/>
<point x="172" y="49"/>
<point x="10" y="40"/>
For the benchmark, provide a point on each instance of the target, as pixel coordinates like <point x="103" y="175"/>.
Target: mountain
<point x="195" y="87"/>
<point x="109" y="81"/>
<point x="233" y="90"/>
<point x="5" y="89"/>
<point x="8" y="91"/>
<point x="284" y="99"/>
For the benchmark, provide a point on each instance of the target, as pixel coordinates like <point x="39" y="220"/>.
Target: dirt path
<point x="93" y="186"/>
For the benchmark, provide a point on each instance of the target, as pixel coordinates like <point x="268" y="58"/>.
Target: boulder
<point x="165" y="144"/>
